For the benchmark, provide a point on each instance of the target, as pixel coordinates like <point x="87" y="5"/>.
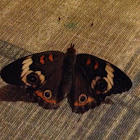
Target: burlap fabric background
<point x="107" y="29"/>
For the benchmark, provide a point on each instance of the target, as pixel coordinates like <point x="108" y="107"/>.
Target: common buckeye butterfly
<point x="50" y="76"/>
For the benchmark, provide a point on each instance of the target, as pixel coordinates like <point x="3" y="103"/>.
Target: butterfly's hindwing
<point x="81" y="97"/>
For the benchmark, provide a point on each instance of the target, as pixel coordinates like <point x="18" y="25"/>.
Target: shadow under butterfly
<point x="50" y="76"/>
<point x="13" y="93"/>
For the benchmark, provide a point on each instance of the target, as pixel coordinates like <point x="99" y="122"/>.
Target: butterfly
<point x="50" y="76"/>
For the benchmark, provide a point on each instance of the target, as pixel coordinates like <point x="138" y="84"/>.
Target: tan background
<point x="34" y="26"/>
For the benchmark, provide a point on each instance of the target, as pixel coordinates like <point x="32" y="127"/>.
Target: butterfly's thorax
<point x="68" y="67"/>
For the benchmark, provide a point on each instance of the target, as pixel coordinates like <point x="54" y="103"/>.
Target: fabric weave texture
<point x="107" y="29"/>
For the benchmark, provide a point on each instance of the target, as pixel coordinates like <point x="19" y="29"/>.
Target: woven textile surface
<point x="107" y="29"/>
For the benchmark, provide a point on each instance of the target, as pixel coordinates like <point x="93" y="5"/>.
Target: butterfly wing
<point x="41" y="75"/>
<point x="81" y="97"/>
<point x="47" y="76"/>
<point x="95" y="68"/>
<point x="93" y="80"/>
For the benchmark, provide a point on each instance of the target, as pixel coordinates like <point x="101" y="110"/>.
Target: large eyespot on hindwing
<point x="83" y="99"/>
<point x="47" y="94"/>
<point x="30" y="77"/>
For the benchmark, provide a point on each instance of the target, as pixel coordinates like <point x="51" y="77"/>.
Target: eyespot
<point x="82" y="98"/>
<point x="47" y="94"/>
<point x="32" y="78"/>
<point x="101" y="85"/>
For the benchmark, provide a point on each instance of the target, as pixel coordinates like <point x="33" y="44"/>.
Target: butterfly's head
<point x="71" y="49"/>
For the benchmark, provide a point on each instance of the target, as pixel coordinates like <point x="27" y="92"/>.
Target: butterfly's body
<point x="51" y="76"/>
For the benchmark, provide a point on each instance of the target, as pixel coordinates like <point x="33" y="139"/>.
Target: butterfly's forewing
<point x="40" y="74"/>
<point x="94" y="79"/>
<point x="44" y="62"/>
<point x="95" y="68"/>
